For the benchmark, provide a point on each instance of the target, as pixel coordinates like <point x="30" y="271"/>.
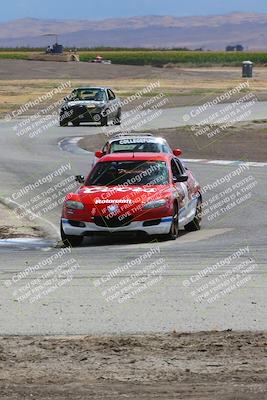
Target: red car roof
<point x="136" y="156"/>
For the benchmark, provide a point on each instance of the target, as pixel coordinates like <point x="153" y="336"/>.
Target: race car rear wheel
<point x="195" y="225"/>
<point x="70" y="240"/>
<point x="117" y="120"/>
<point x="174" y="230"/>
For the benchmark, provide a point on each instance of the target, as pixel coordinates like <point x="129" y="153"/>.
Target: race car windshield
<point x="90" y="94"/>
<point x="130" y="173"/>
<point x="136" y="146"/>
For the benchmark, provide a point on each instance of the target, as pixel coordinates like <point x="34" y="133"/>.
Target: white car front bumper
<point x="162" y="228"/>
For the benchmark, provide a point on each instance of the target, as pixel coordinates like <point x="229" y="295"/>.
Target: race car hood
<point x="97" y="195"/>
<point x="116" y="200"/>
<point x="101" y="196"/>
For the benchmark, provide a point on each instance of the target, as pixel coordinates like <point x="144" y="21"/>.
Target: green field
<point x="160" y="58"/>
<point x="18" y="55"/>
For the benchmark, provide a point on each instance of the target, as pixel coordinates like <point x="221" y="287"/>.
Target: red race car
<point x="150" y="193"/>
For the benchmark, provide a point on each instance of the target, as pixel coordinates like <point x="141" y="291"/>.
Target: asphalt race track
<point x="171" y="303"/>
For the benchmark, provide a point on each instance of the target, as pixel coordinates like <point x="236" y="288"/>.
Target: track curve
<point x="80" y="307"/>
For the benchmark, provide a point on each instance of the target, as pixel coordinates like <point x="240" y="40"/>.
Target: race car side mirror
<point x="99" y="153"/>
<point x="79" y="178"/>
<point x="180" y="178"/>
<point x="177" y="152"/>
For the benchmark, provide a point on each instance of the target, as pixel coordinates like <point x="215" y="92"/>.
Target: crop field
<point x="154" y="57"/>
<point x="17" y="55"/>
<point x="159" y="57"/>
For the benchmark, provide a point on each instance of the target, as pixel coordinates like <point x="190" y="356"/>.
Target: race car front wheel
<point x="104" y="120"/>
<point x="174" y="230"/>
<point x="75" y="122"/>
<point x="70" y="240"/>
<point x="63" y="122"/>
<point x="195" y="225"/>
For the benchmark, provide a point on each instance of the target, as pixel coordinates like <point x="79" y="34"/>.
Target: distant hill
<point x="210" y="32"/>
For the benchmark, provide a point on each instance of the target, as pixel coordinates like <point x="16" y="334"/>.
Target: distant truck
<point x="237" y="47"/>
<point x="55" y="53"/>
<point x="55" y="49"/>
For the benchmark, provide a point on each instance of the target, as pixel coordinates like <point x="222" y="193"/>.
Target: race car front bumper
<point x="83" y="114"/>
<point x="151" y="227"/>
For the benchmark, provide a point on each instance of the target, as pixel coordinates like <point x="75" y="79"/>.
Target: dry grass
<point x="184" y="83"/>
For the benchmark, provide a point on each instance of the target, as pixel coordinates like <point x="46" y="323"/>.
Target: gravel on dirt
<point x="207" y="365"/>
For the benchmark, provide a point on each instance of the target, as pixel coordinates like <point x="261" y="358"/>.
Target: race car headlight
<point x="90" y="106"/>
<point x="155" y="204"/>
<point x="74" y="205"/>
<point x="101" y="104"/>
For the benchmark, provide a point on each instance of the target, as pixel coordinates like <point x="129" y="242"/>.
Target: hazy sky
<point x="92" y="9"/>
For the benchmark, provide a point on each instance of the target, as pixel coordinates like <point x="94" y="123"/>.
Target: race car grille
<point x="113" y="222"/>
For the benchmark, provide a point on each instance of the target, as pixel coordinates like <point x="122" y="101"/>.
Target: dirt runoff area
<point x="207" y="365"/>
<point x="14" y="227"/>
<point x="243" y="141"/>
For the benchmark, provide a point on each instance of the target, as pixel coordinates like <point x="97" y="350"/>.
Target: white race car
<point x="141" y="143"/>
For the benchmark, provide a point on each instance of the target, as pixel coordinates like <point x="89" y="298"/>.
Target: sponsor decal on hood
<point x="118" y="189"/>
<point x="109" y="201"/>
<point x="84" y="103"/>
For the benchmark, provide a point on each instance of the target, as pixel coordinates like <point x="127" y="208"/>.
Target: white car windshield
<point x="138" y="146"/>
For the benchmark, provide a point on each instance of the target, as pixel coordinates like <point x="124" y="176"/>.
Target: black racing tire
<point x="104" y="117"/>
<point x="104" y="120"/>
<point x="63" y="122"/>
<point x="75" y="122"/>
<point x="174" y="230"/>
<point x="195" y="225"/>
<point x="70" y="240"/>
<point x="117" y="120"/>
